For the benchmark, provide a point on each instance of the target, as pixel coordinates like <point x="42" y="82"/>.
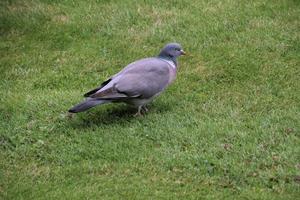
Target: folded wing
<point x="141" y="79"/>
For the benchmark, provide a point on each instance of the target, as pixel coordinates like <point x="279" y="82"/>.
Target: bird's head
<point x="172" y="50"/>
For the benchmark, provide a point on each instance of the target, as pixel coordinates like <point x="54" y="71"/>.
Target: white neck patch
<point x="169" y="62"/>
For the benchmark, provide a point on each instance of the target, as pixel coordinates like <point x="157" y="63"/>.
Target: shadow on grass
<point x="117" y="114"/>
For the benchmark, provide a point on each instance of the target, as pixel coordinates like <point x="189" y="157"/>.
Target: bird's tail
<point x="87" y="104"/>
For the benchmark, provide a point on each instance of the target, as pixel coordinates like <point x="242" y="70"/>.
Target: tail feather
<point x="87" y="104"/>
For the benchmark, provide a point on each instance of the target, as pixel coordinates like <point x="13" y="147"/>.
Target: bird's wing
<point x="129" y="67"/>
<point x="93" y="91"/>
<point x="144" y="78"/>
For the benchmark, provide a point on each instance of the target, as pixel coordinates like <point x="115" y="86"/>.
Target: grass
<point x="228" y="128"/>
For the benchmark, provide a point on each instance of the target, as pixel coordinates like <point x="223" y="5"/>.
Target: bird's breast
<point x="172" y="74"/>
<point x="172" y="70"/>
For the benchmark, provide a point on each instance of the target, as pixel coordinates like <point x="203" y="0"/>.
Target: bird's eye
<point x="177" y="49"/>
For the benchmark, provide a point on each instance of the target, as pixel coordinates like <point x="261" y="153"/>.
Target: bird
<point x="138" y="83"/>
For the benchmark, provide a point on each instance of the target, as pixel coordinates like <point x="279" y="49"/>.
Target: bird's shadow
<point x="118" y="114"/>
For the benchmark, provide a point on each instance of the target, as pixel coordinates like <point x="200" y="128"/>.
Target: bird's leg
<point x="70" y="115"/>
<point x="145" y="109"/>
<point x="138" y="114"/>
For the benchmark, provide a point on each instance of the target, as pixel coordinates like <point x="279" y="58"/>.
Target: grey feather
<point x="87" y="104"/>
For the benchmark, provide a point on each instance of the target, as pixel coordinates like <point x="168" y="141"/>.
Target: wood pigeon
<point x="138" y="83"/>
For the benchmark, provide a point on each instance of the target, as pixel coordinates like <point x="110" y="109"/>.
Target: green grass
<point x="228" y="128"/>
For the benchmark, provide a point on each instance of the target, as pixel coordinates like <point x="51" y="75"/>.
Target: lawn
<point x="228" y="128"/>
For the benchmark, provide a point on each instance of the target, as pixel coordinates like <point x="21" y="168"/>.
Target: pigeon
<point x="138" y="83"/>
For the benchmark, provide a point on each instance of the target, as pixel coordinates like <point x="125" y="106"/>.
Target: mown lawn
<point x="228" y="128"/>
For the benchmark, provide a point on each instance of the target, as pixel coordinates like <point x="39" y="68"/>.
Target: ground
<point x="228" y="128"/>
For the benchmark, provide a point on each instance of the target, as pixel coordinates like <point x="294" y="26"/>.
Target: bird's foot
<point x="145" y="109"/>
<point x="139" y="113"/>
<point x="70" y="115"/>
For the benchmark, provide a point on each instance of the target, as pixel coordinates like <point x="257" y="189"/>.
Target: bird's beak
<point x="182" y="52"/>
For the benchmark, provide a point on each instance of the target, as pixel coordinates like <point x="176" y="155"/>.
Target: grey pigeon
<point x="138" y="83"/>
